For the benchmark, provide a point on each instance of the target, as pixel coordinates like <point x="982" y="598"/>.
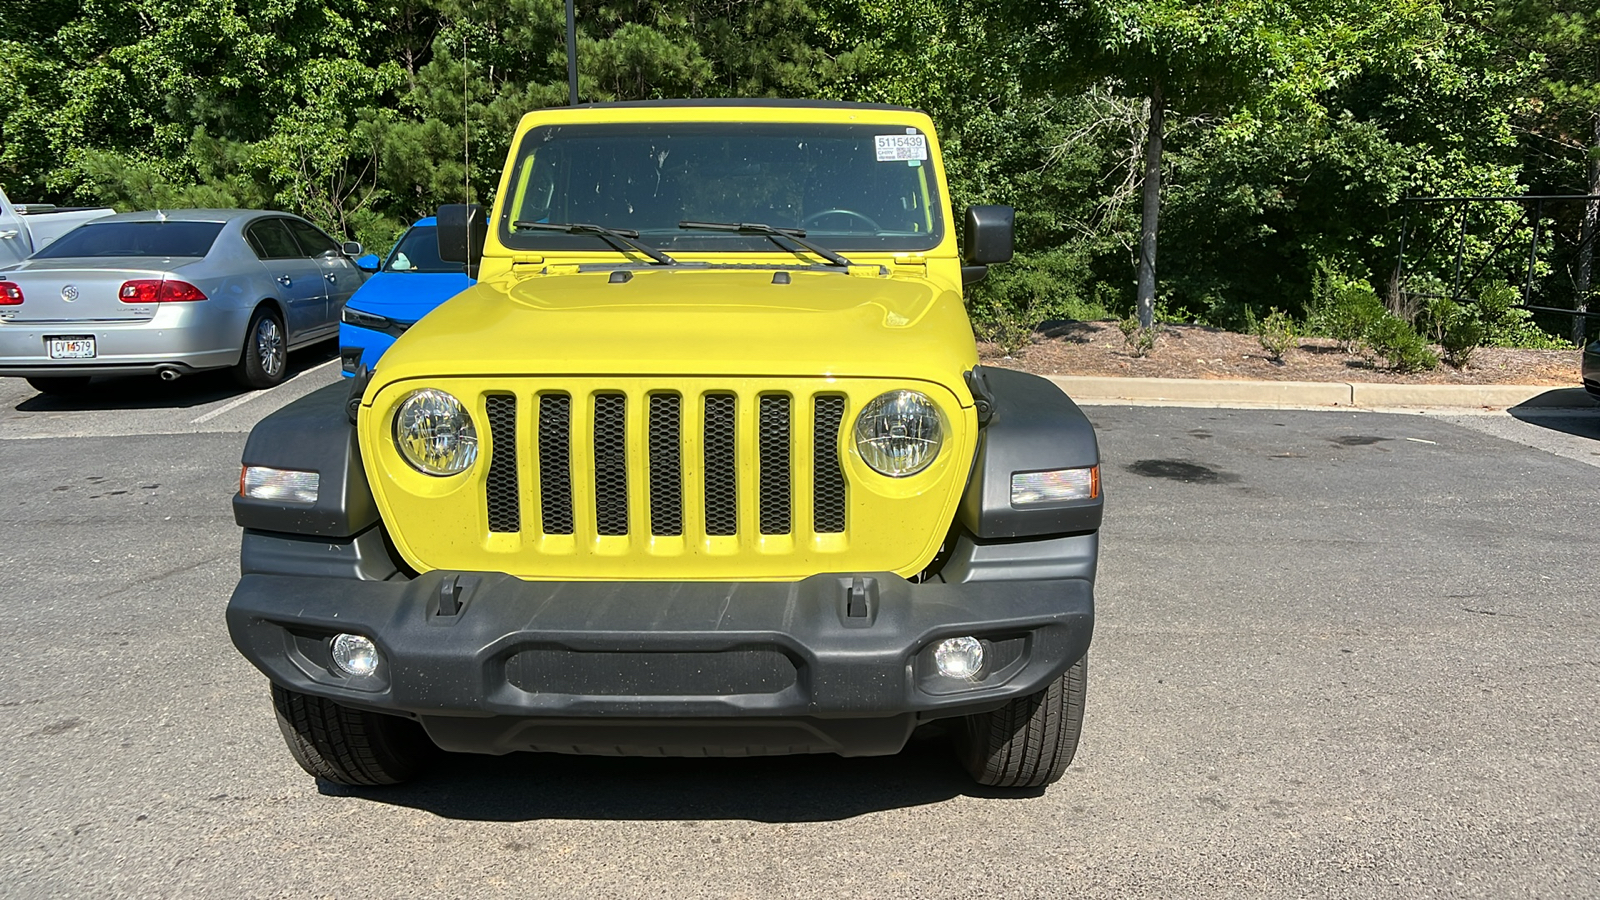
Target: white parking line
<point x="240" y="401"/>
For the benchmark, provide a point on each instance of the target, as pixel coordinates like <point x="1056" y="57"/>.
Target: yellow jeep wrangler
<point x="705" y="464"/>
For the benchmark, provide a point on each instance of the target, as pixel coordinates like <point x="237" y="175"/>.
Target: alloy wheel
<point x="269" y="347"/>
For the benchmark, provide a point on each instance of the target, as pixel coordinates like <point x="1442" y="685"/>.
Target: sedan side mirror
<point x="369" y="263"/>
<point x="463" y="228"/>
<point x="353" y="249"/>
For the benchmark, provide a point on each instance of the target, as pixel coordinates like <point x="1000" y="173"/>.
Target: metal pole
<point x="1533" y="249"/>
<point x="1400" y="263"/>
<point x="1461" y="247"/>
<point x="572" y="54"/>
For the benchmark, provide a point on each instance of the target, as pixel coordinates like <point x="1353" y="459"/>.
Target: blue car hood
<point x="407" y="296"/>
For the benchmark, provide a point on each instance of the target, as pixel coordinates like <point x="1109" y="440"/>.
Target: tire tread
<point x="1031" y="740"/>
<point x="350" y="746"/>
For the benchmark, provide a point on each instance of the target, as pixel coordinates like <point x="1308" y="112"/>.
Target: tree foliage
<point x="1294" y="129"/>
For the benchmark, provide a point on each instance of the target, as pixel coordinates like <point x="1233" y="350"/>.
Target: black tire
<point x="264" y="361"/>
<point x="350" y="746"/>
<point x="59" y="384"/>
<point x="1030" y="741"/>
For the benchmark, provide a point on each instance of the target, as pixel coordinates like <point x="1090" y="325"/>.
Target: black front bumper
<point x="835" y="663"/>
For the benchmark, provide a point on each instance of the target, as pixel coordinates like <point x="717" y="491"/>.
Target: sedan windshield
<point x="418" y="251"/>
<point x="850" y="187"/>
<point x="134" y="239"/>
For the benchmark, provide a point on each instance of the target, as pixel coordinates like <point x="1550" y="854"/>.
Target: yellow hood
<point x="693" y="322"/>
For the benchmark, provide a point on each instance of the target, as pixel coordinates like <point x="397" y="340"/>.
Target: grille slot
<point x="505" y="505"/>
<point x="555" y="472"/>
<point x="722" y="467"/>
<point x="827" y="475"/>
<point x="774" y="456"/>
<point x="666" y="472"/>
<point x="611" y="464"/>
<point x="624" y="673"/>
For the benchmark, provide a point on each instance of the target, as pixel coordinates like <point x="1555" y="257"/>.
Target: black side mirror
<point x="989" y="238"/>
<point x="990" y="235"/>
<point x="463" y="228"/>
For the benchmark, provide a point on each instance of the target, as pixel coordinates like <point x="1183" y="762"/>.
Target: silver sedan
<point x="172" y="293"/>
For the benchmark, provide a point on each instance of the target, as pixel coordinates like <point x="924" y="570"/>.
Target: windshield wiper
<point x="614" y="236"/>
<point x="797" y="235"/>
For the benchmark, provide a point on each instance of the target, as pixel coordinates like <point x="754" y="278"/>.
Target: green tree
<point x="1561" y="38"/>
<point x="1200" y="58"/>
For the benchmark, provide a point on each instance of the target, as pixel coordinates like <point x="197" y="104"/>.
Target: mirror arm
<point x="971" y="275"/>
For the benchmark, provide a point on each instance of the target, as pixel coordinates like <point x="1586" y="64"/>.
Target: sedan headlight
<point x="435" y="434"/>
<point x="363" y="319"/>
<point x="899" y="433"/>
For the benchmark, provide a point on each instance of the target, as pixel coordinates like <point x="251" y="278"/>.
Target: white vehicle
<point x="27" y="228"/>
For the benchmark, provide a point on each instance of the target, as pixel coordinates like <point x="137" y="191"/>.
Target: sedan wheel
<point x="266" y="356"/>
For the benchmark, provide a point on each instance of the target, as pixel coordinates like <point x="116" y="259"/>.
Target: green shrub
<point x="1456" y="328"/>
<point x="1397" y="342"/>
<point x="1344" y="309"/>
<point x="1461" y="338"/>
<point x="1141" y="340"/>
<point x="1034" y="287"/>
<point x="1005" y="328"/>
<point x="1277" y="334"/>
<point x="1506" y="326"/>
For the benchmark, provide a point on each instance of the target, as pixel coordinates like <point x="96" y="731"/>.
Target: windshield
<point x="850" y="187"/>
<point x="134" y="239"/>
<point x="418" y="251"/>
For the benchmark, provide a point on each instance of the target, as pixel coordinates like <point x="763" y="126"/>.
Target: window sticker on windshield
<point x="901" y="147"/>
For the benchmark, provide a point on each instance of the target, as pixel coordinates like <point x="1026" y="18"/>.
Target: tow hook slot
<point x="860" y="601"/>
<point x="451" y="598"/>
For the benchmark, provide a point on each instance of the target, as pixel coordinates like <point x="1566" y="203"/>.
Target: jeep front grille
<point x="774" y="442"/>
<point x="666" y="470"/>
<point x="610" y="464"/>
<point x="505" y="505"/>
<point x="766" y="444"/>
<point x="666" y="478"/>
<point x="555" y="483"/>
<point x="827" y="475"/>
<point x="722" y="467"/>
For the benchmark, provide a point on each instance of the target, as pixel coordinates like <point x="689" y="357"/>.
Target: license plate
<point x="71" y="347"/>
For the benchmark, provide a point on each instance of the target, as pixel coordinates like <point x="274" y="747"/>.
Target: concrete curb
<point x="1349" y="395"/>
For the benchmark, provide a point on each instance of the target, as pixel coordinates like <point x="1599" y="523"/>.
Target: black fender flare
<point x="1027" y="425"/>
<point x="311" y="434"/>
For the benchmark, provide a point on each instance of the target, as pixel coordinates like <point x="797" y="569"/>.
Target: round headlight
<point x="435" y="433"/>
<point x="899" y="433"/>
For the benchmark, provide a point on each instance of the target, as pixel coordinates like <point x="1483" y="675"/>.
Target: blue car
<point x="408" y="285"/>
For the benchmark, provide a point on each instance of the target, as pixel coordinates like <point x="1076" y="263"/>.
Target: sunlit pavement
<point x="1338" y="655"/>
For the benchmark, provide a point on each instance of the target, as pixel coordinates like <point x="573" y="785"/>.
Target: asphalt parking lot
<point x="1339" y="654"/>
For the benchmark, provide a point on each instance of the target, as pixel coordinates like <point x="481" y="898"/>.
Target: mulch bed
<point x="1194" y="351"/>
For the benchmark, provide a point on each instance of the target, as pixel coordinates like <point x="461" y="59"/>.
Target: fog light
<point x="355" y="655"/>
<point x="960" y="657"/>
<point x="266" y="483"/>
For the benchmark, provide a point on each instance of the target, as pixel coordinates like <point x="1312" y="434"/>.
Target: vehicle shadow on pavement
<point x="1560" y="410"/>
<point x="150" y="392"/>
<point x="822" y="788"/>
